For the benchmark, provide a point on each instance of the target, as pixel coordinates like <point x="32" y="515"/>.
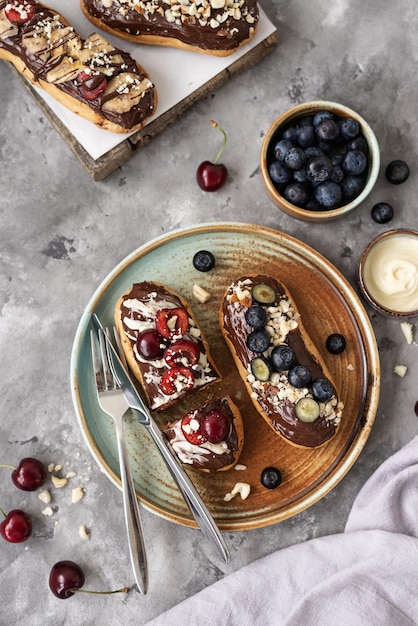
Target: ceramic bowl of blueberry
<point x="319" y="160"/>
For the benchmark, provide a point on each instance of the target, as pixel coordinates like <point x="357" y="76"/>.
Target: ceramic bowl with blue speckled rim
<point x="303" y="110"/>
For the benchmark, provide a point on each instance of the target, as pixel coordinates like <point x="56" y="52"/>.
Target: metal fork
<point x="112" y="402"/>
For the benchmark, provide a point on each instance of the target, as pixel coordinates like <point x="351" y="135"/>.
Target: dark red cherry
<point x="151" y="345"/>
<point x="215" y="426"/>
<point x="183" y="352"/>
<point x="211" y="176"/>
<point x="65" y="577"/>
<point x="191" y="427"/>
<point x="16" y="526"/>
<point x="29" y="475"/>
<point x="172" y="323"/>
<point x="176" y="379"/>
<point x="20" y="11"/>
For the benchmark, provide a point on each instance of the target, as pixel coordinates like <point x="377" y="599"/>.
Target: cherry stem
<point x="101" y="593"/>
<point x="12" y="467"/>
<point x="2" y="512"/>
<point x="216" y="125"/>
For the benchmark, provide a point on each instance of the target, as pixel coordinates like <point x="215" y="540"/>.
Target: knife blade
<point x="198" y="508"/>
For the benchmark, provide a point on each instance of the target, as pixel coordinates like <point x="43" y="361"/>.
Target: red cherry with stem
<point x="151" y="345"/>
<point x="67" y="577"/>
<point x="29" y="475"/>
<point x="211" y="176"/>
<point x="16" y="526"/>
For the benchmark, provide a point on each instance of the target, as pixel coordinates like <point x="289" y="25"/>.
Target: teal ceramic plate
<point x="327" y="303"/>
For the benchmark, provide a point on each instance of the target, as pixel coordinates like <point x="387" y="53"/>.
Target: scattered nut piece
<point x="45" y="496"/>
<point x="408" y="331"/>
<point x="83" y="533"/>
<point x="242" y="488"/>
<point x="240" y="467"/>
<point x="70" y="474"/>
<point x="200" y="294"/>
<point x="58" y="482"/>
<point x="350" y="367"/>
<point x="48" y="511"/>
<point x="77" y="494"/>
<point x="57" y="468"/>
<point x="400" y="370"/>
<point x="51" y="467"/>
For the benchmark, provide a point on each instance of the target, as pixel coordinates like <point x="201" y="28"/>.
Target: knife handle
<point x="200" y="513"/>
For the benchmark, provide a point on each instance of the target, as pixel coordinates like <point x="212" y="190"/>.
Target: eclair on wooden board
<point x="90" y="77"/>
<point x="290" y="385"/>
<point x="216" y="27"/>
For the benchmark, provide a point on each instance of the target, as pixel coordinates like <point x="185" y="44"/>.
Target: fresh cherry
<point x="151" y="345"/>
<point x="16" y="526"/>
<point x="20" y="11"/>
<point x="191" y="428"/>
<point x="67" y="577"/>
<point x="172" y="323"/>
<point x="91" y="85"/>
<point x="29" y="475"/>
<point x="215" y="426"/>
<point x="182" y="352"/>
<point x="176" y="379"/>
<point x="211" y="176"/>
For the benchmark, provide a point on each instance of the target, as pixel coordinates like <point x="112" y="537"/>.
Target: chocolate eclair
<point x="209" y="438"/>
<point x="90" y="77"/>
<point x="216" y="27"/>
<point x="284" y="373"/>
<point x="163" y="343"/>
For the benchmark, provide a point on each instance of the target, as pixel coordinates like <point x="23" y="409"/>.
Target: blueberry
<point x="294" y="158"/>
<point x="327" y="130"/>
<point x="279" y="174"/>
<point x="397" y="172"/>
<point x="382" y="212"/>
<point x="335" y="343"/>
<point x="337" y="157"/>
<point x="337" y="174"/>
<point x="319" y="169"/>
<point x="203" y="261"/>
<point x="359" y="143"/>
<point x="321" y="389"/>
<point x="321" y="116"/>
<point x="305" y="136"/>
<point x="270" y="477"/>
<point x="290" y="133"/>
<point x="300" y="176"/>
<point x="349" y="128"/>
<point x="281" y="148"/>
<point x="258" y="341"/>
<point x="256" y="316"/>
<point x="312" y="151"/>
<point x="306" y="120"/>
<point x="313" y="205"/>
<point x="299" y="376"/>
<point x="351" y="186"/>
<point x="355" y="162"/>
<point x="329" y="194"/>
<point x="296" y="193"/>
<point x="282" y="357"/>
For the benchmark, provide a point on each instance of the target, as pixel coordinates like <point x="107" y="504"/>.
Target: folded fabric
<point x="366" y="575"/>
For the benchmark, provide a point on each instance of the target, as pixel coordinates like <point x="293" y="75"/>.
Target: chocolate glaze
<point x="40" y="68"/>
<point x="152" y="370"/>
<point x="282" y="416"/>
<point x="209" y="460"/>
<point x="228" y="36"/>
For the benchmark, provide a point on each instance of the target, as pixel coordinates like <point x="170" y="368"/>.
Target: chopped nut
<point x="350" y="367"/>
<point x="51" y="467"/>
<point x="242" y="488"/>
<point x="58" y="482"/>
<point x="48" y="511"/>
<point x="240" y="467"/>
<point x="45" y="496"/>
<point x="77" y="494"/>
<point x="408" y="331"/>
<point x="83" y="533"/>
<point x="200" y="294"/>
<point x="57" y="468"/>
<point x="70" y="474"/>
<point x="400" y="370"/>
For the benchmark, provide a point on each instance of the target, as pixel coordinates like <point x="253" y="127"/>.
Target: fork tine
<point x="96" y="363"/>
<point x="109" y="382"/>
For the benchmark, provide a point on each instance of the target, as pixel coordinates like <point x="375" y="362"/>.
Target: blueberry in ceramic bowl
<point x="319" y="160"/>
<point x="388" y="273"/>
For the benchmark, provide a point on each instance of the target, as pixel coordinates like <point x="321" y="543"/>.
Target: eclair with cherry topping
<point x="216" y="27"/>
<point x="163" y="343"/>
<point x="284" y="373"/>
<point x="90" y="77"/>
<point x="209" y="438"/>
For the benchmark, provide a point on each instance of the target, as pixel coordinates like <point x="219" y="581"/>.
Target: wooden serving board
<point x="120" y="154"/>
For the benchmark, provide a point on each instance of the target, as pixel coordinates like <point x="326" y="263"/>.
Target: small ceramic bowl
<point x="388" y="273"/>
<point x="272" y="136"/>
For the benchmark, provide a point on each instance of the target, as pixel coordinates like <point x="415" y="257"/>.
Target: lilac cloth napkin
<point x="367" y="575"/>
